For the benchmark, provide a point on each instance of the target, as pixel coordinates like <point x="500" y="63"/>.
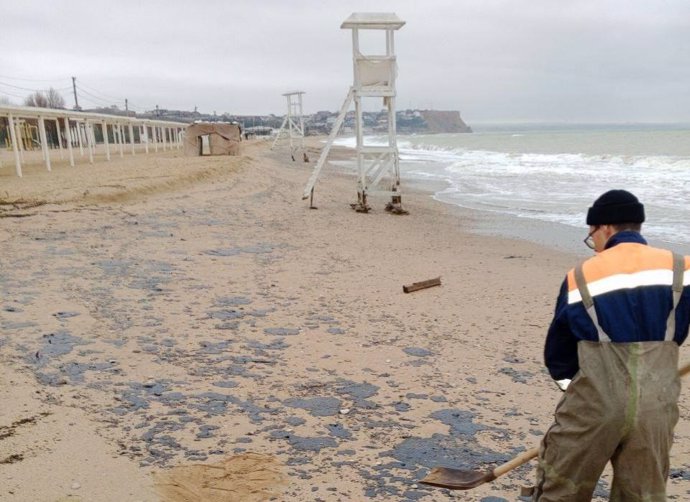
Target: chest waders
<point x="621" y="406"/>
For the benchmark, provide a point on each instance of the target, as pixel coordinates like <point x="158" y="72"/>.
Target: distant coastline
<point x="410" y="121"/>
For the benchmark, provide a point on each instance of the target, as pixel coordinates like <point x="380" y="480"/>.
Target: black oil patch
<point x="295" y="421"/>
<point x="282" y="331"/>
<point x="16" y="326"/>
<point x="417" y="352"/>
<point x="232" y="301"/>
<point x="316" y="406"/>
<point x="227" y="384"/>
<point x="65" y="315"/>
<point x="55" y="345"/>
<point x="517" y="376"/>
<point x="682" y="473"/>
<point x="71" y="372"/>
<point x="358" y="391"/>
<point x="301" y="443"/>
<point x="278" y="344"/>
<point x="339" y="431"/>
<point x="416" y="455"/>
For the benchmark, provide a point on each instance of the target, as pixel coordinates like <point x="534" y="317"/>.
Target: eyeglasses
<point x="589" y="240"/>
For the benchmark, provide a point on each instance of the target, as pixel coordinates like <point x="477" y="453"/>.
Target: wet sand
<point x="165" y="319"/>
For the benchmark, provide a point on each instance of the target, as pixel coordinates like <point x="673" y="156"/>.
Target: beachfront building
<point x="293" y="124"/>
<point x="26" y="128"/>
<point x="212" y="138"/>
<point x="374" y="78"/>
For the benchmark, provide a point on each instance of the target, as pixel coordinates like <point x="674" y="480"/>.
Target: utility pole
<point x="74" y="88"/>
<point x="126" y="107"/>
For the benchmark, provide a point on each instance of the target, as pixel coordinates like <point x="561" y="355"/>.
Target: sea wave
<point x="549" y="186"/>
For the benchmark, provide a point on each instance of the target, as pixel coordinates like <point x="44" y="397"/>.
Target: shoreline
<point x="201" y="313"/>
<point x="562" y="236"/>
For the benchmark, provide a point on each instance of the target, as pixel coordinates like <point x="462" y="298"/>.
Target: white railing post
<point x="78" y="133"/>
<point x="68" y="135"/>
<point x="131" y="137"/>
<point x="106" y="142"/>
<point x="120" y="140"/>
<point x="44" y="142"/>
<point x="20" y="137"/>
<point x="15" y="147"/>
<point x="92" y="132"/>
<point x="87" y="137"/>
<point x="59" y="136"/>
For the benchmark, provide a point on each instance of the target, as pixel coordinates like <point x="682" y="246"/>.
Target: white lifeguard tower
<point x="293" y="124"/>
<point x="374" y="77"/>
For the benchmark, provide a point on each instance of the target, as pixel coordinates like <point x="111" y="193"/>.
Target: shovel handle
<point x="684" y="370"/>
<point x="522" y="458"/>
<point x="533" y="452"/>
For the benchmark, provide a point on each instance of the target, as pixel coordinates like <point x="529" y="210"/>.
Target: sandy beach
<point x="187" y="329"/>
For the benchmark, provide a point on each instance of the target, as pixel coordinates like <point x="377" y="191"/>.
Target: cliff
<point x="444" y="121"/>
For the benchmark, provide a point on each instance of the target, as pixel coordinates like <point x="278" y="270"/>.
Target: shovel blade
<point x="457" y="479"/>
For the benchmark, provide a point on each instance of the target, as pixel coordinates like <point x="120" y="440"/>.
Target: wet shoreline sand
<point x="184" y="312"/>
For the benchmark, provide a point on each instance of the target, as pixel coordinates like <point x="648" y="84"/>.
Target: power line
<point x="98" y="94"/>
<point x="81" y="84"/>
<point x="5" y="93"/>
<point x="18" y="87"/>
<point x="33" y="79"/>
<point x="101" y="98"/>
<point x="99" y="102"/>
<point x="104" y="98"/>
<point x="109" y="101"/>
<point x="33" y="90"/>
<point x="96" y="97"/>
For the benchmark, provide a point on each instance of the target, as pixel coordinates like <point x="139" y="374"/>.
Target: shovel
<point x="458" y="479"/>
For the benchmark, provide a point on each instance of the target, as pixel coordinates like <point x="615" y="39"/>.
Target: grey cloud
<point x="605" y="60"/>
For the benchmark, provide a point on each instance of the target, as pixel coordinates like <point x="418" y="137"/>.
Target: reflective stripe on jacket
<point x="631" y="288"/>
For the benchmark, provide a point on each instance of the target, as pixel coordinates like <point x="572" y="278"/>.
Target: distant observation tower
<point x="293" y="123"/>
<point x="374" y="77"/>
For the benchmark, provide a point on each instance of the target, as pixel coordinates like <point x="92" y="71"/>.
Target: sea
<point x="520" y="175"/>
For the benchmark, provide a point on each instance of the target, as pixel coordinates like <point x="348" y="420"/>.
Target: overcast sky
<point x="494" y="60"/>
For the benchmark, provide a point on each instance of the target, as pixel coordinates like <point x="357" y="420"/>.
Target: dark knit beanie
<point x="615" y="206"/>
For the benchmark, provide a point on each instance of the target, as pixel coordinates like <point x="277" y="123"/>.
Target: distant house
<point x="212" y="138"/>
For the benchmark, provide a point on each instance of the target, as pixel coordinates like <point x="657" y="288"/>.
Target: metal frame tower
<point x="374" y="77"/>
<point x="293" y="122"/>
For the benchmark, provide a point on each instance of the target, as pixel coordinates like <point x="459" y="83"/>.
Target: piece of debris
<point x="416" y="286"/>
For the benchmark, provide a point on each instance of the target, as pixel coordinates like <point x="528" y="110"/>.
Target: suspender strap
<point x="677" y="289"/>
<point x="588" y="302"/>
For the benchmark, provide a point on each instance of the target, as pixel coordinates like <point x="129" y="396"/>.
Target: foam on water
<point x="555" y="177"/>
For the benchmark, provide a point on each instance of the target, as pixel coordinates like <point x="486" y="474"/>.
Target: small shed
<point x="212" y="138"/>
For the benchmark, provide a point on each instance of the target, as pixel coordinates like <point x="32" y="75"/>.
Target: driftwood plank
<point x="416" y="286"/>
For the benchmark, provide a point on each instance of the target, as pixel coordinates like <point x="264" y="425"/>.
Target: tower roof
<point x="373" y="21"/>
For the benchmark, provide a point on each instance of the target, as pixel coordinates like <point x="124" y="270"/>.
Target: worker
<point x="613" y="347"/>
